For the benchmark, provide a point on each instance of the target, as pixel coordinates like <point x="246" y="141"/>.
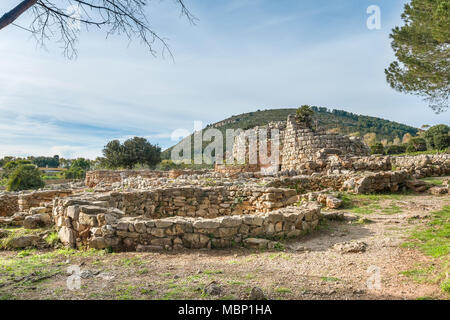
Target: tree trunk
<point x="12" y="15"/>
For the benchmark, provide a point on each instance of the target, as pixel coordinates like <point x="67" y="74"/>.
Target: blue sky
<point x="240" y="56"/>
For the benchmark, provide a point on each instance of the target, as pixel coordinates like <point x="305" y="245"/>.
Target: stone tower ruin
<point x="300" y="146"/>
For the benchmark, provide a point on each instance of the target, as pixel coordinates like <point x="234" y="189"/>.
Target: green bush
<point x="441" y="141"/>
<point x="74" y="173"/>
<point x="167" y="165"/>
<point x="134" y="151"/>
<point x="25" y="177"/>
<point x="10" y="166"/>
<point x="437" y="137"/>
<point x="396" y="149"/>
<point x="410" y="148"/>
<point x="304" y="114"/>
<point x="377" y="148"/>
<point x="418" y="144"/>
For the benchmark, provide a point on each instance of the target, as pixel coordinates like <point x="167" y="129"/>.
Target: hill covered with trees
<point x="340" y="121"/>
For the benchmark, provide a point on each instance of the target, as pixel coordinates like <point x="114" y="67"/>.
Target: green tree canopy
<point x="43" y="162"/>
<point x="132" y="152"/>
<point x="304" y="115"/>
<point x="437" y="137"/>
<point x="25" y="177"/>
<point x="10" y="166"/>
<point x="422" y="49"/>
<point x="77" y="169"/>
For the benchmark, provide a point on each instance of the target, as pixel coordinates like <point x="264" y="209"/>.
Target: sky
<point x="240" y="56"/>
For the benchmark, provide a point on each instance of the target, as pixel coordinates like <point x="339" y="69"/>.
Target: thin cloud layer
<point x="241" y="56"/>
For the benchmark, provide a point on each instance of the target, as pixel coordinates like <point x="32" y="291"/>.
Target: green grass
<point x="27" y="262"/>
<point x="419" y="275"/>
<point x="14" y="233"/>
<point x="125" y="293"/>
<point x="425" y="298"/>
<point x="417" y="153"/>
<point x="283" y="290"/>
<point x="52" y="239"/>
<point x="365" y="204"/>
<point x="435" y="181"/>
<point x="330" y="279"/>
<point x="445" y="285"/>
<point x="393" y="209"/>
<point x="280" y="255"/>
<point x="211" y="272"/>
<point x="131" y="262"/>
<point x="433" y="240"/>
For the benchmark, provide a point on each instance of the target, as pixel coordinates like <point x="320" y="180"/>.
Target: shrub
<point x="304" y="114"/>
<point x="410" y="148"/>
<point x="419" y="144"/>
<point x="441" y="141"/>
<point x="132" y="152"/>
<point x="74" y="173"/>
<point x="437" y="137"/>
<point x="377" y="148"/>
<point x="396" y="149"/>
<point x="10" y="166"/>
<point x="25" y="177"/>
<point x="167" y="165"/>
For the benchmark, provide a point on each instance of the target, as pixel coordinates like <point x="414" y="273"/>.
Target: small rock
<point x="438" y="190"/>
<point x="350" y="247"/>
<point x="86" y="274"/>
<point x="25" y="241"/>
<point x="213" y="289"/>
<point x="33" y="222"/>
<point x="257" y="294"/>
<point x="333" y="202"/>
<point x="256" y="243"/>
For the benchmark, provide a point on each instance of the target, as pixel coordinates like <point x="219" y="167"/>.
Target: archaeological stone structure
<point x="233" y="205"/>
<point x="300" y="147"/>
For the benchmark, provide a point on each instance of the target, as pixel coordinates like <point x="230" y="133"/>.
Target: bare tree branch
<point x="127" y="17"/>
<point x="12" y="15"/>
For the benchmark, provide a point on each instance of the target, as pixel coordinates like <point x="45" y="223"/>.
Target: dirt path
<point x="308" y="268"/>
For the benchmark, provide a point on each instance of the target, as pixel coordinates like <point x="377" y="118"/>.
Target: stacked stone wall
<point x="302" y="145"/>
<point x="33" y="199"/>
<point x="108" y="177"/>
<point x="9" y="204"/>
<point x="100" y="227"/>
<point x="422" y="166"/>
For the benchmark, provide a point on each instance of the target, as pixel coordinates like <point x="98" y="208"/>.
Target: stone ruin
<point x="301" y="148"/>
<point x="210" y="209"/>
<point x="173" y="210"/>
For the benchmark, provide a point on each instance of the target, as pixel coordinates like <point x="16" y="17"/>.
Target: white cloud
<point x="49" y="104"/>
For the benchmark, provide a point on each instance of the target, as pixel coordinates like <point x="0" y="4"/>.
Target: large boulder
<point x="25" y="241"/>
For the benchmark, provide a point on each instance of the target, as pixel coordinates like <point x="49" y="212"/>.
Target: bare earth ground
<point x="307" y="268"/>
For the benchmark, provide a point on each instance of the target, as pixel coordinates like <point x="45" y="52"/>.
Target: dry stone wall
<point x="9" y="204"/>
<point x="108" y="177"/>
<point x="359" y="183"/>
<point x="301" y="144"/>
<point x="422" y="166"/>
<point x="235" y="169"/>
<point x="27" y="201"/>
<point x="81" y="223"/>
